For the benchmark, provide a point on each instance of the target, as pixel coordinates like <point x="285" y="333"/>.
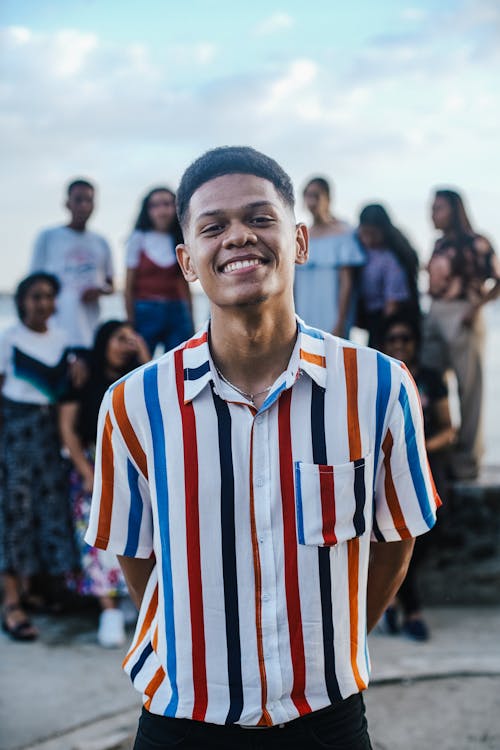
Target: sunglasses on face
<point x="403" y="338"/>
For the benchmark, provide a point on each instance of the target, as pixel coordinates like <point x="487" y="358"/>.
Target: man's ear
<point x="301" y="244"/>
<point x="186" y="263"/>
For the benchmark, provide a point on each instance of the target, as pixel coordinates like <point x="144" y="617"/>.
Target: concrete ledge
<point x="462" y="563"/>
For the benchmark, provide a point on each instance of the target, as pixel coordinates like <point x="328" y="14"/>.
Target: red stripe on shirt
<point x="126" y="429"/>
<point x="290" y="554"/>
<point x="193" y="544"/>
<point x="327" y="491"/>
<point x="193" y="343"/>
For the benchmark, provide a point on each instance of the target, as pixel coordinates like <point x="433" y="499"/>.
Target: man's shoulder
<point x="48" y="233"/>
<point x="11" y="333"/>
<point x="370" y="362"/>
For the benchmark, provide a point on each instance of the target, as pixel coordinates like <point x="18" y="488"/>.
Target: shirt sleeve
<point x="395" y="282"/>
<point x="120" y="515"/>
<point x="350" y="252"/>
<point x="39" y="257"/>
<point x="406" y="499"/>
<point x="133" y="249"/>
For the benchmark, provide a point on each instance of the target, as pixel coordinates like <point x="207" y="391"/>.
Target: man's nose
<point x="238" y="235"/>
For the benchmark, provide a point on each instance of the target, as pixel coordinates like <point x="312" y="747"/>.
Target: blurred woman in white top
<point x="324" y="290"/>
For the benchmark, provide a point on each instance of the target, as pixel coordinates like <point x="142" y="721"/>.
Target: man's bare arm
<point x="388" y="565"/>
<point x="136" y="572"/>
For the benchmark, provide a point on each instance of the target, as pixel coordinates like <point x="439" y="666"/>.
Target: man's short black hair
<point x="231" y="160"/>
<point x="78" y="183"/>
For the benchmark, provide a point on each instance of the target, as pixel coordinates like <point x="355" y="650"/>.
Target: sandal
<point x="23" y="630"/>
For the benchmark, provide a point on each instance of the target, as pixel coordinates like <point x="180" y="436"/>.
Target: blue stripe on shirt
<point x="160" y="469"/>
<point x="414" y="458"/>
<point x="135" y="511"/>
<point x="194" y="373"/>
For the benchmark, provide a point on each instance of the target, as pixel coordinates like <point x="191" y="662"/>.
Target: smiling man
<point x="262" y="485"/>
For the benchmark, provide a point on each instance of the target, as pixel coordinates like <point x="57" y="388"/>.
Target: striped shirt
<point x="260" y="523"/>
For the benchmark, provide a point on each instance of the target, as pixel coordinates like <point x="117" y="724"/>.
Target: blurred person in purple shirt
<point x="388" y="280"/>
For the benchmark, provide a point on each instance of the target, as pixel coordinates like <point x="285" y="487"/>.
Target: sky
<point x="388" y="99"/>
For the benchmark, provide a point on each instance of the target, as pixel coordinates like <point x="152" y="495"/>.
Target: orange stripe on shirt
<point x="107" y="486"/>
<point x="148" y="619"/>
<point x="351" y="384"/>
<point x="353" y="574"/>
<point x="390" y="491"/>
<point x="314" y="359"/>
<point x="153" y="686"/>
<point x="126" y="429"/>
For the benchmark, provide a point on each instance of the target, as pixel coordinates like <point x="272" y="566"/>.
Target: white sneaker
<point x="111" y="630"/>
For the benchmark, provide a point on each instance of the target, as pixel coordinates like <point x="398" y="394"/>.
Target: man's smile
<point x="241" y="264"/>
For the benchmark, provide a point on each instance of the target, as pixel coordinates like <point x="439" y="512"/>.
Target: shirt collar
<point x="308" y="357"/>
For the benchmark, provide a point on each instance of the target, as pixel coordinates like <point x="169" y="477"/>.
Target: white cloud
<point x="387" y="124"/>
<point x="275" y="23"/>
<point x="413" y="14"/>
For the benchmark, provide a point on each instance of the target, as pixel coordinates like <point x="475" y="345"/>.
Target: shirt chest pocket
<point x="333" y="503"/>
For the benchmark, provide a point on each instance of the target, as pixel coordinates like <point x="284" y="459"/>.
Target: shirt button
<point x="260" y="482"/>
<point x="259" y="419"/>
<point x="261" y="539"/>
<point x="265" y="597"/>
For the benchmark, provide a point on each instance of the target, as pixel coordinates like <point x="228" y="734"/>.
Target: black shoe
<point x="416" y="630"/>
<point x="391" y="621"/>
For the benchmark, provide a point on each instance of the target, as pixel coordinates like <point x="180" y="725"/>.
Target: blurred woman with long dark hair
<point x="388" y="280"/>
<point x="464" y="274"/>
<point x="117" y="350"/>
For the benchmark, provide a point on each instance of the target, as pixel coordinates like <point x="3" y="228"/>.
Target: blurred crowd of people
<point x="57" y="362"/>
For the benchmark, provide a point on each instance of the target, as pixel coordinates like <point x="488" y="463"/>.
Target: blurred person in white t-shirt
<point x="81" y="260"/>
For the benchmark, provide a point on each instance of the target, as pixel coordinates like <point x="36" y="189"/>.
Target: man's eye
<point x="261" y="219"/>
<point x="211" y="229"/>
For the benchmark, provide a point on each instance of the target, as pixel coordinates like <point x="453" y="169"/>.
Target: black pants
<point x="339" y="727"/>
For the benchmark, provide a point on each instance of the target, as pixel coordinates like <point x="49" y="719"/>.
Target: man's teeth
<point x="237" y="264"/>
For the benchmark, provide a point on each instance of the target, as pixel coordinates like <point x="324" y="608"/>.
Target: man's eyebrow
<point x="219" y="211"/>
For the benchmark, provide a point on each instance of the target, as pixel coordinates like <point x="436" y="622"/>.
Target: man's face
<point x="80" y="203"/>
<point x="241" y="241"/>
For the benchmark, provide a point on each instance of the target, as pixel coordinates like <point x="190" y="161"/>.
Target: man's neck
<point x="251" y="348"/>
<point x="77" y="227"/>
<point x="324" y="219"/>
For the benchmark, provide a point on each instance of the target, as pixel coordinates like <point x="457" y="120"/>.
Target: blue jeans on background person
<point x="166" y="322"/>
<point x="342" y="726"/>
